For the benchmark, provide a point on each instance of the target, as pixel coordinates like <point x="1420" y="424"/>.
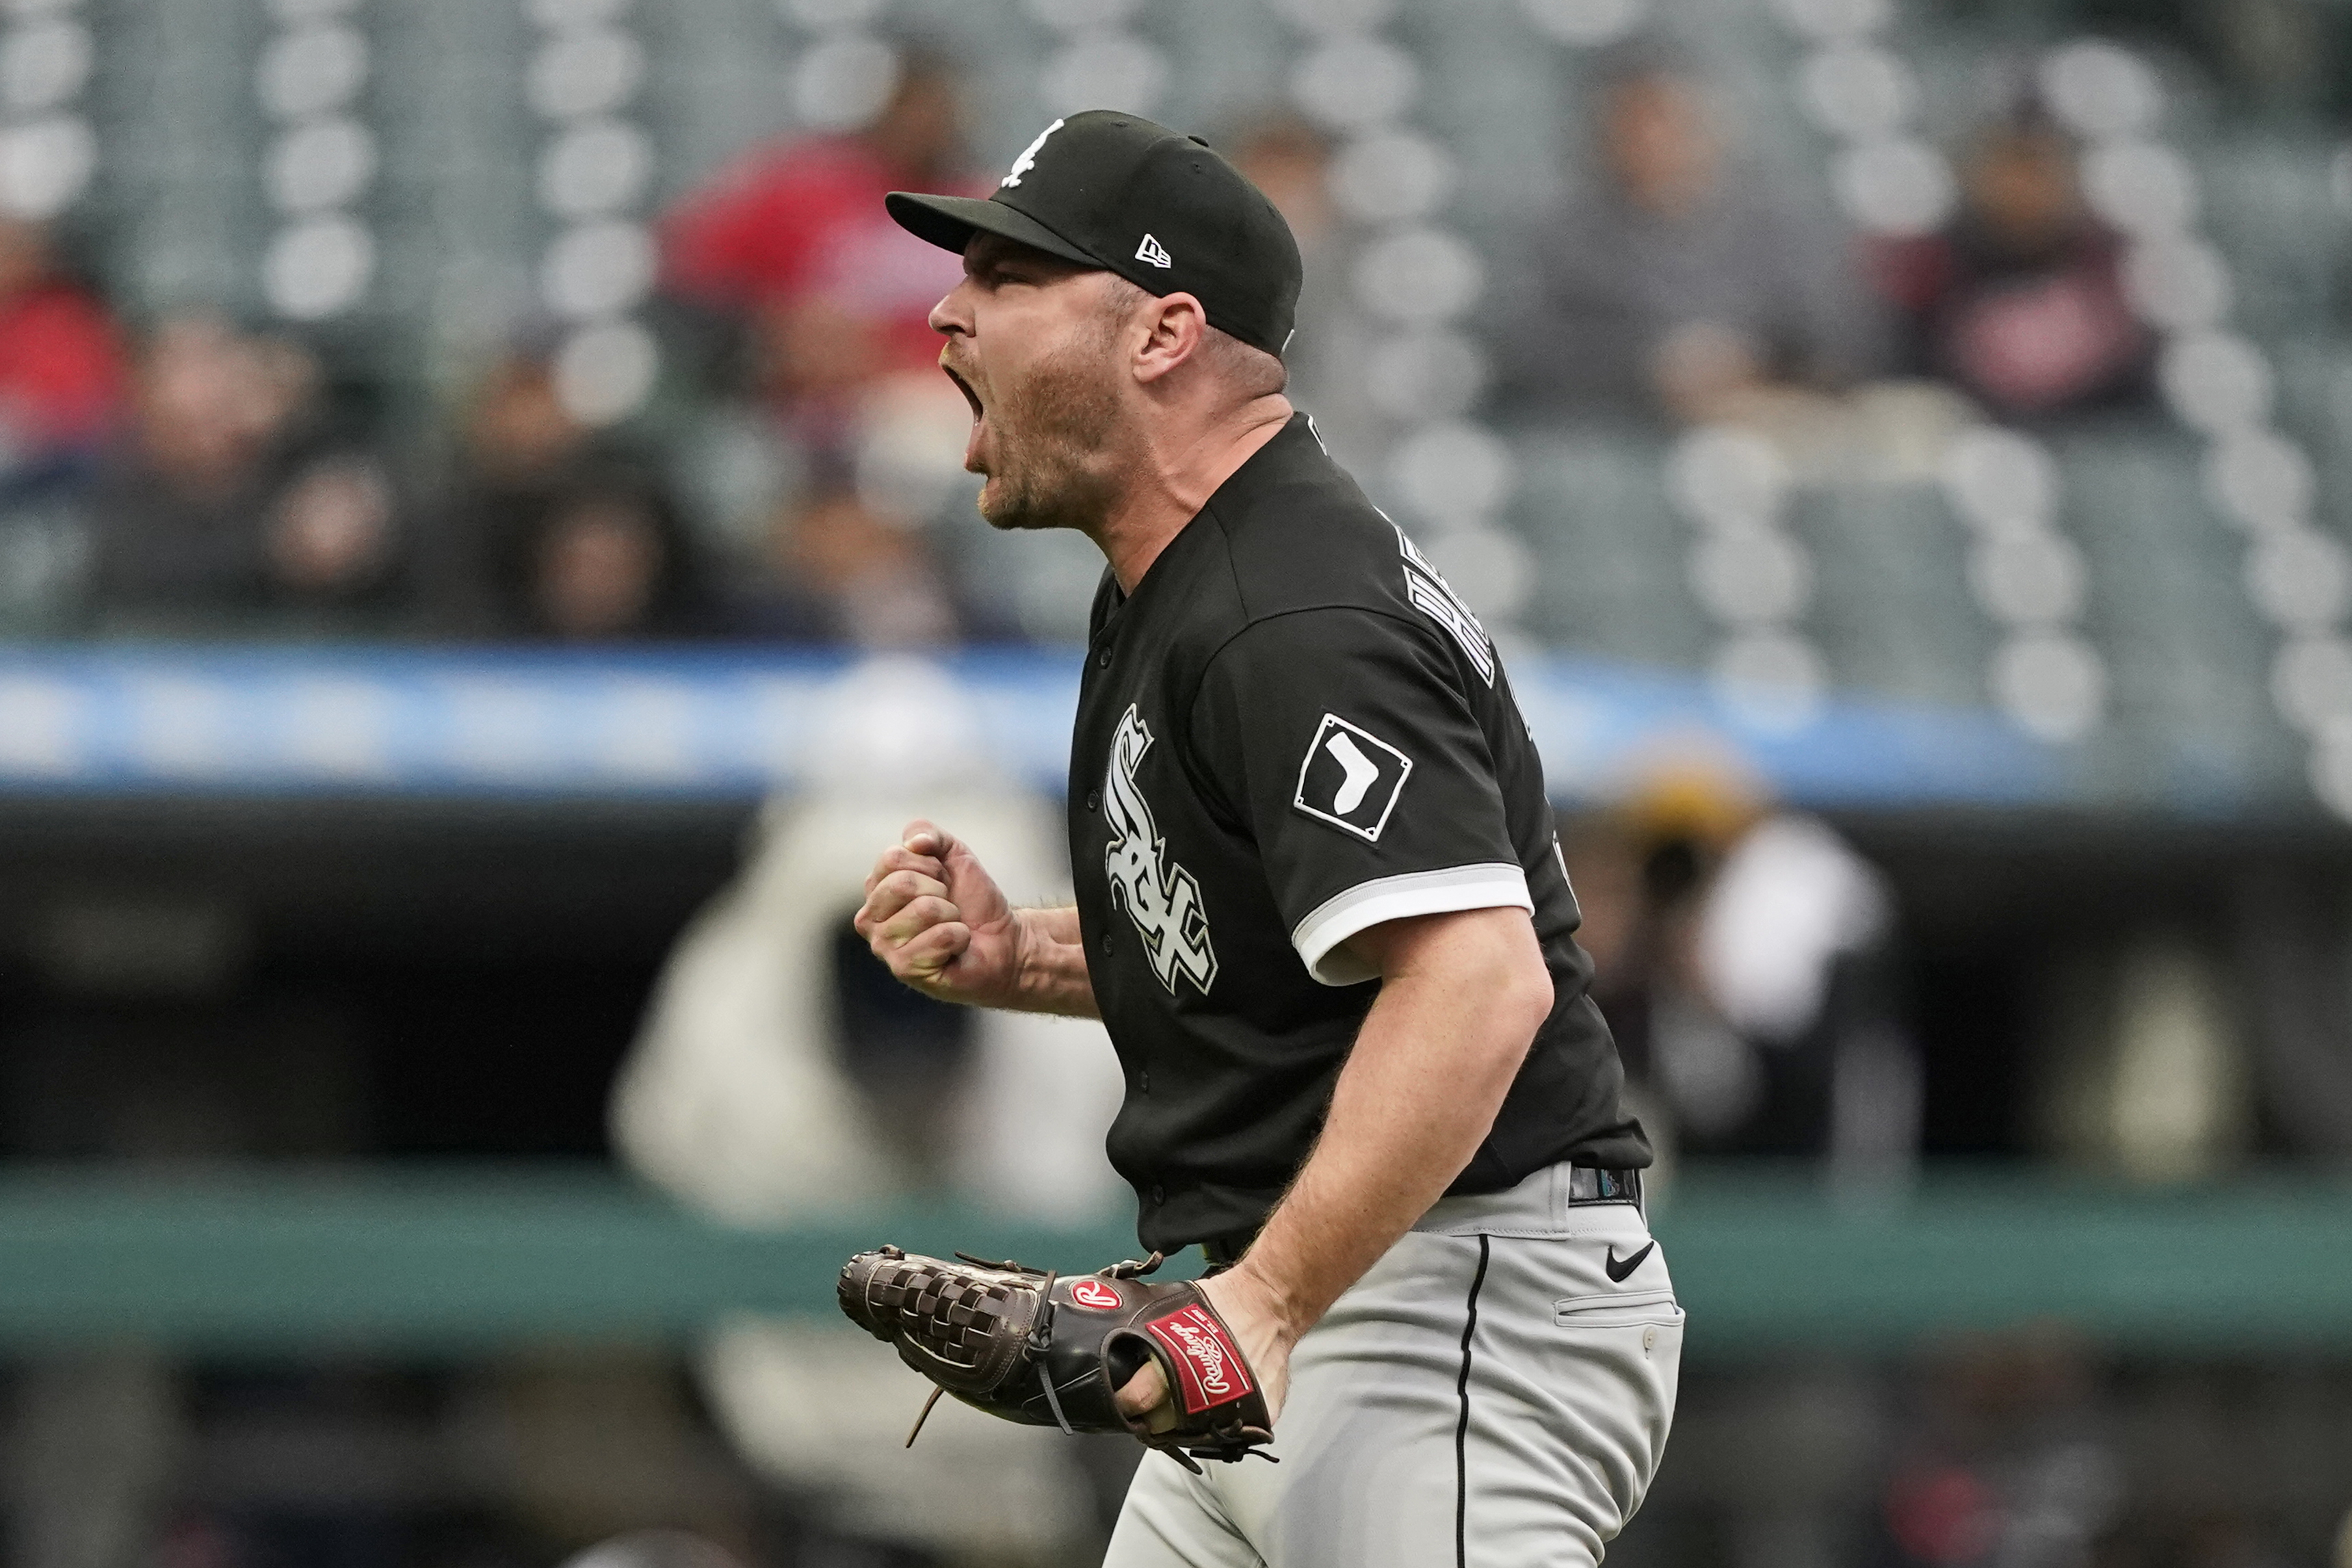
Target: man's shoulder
<point x="1300" y="535"/>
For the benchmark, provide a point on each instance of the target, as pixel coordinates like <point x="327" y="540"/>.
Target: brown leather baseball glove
<point x="1032" y="1346"/>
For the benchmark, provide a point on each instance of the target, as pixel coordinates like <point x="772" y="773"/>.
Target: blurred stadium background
<point x="484" y="561"/>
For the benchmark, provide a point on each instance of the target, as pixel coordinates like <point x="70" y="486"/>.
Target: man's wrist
<point x="1273" y="1299"/>
<point x="1023" y="980"/>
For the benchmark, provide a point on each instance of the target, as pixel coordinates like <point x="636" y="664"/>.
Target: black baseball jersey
<point x="1291" y="731"/>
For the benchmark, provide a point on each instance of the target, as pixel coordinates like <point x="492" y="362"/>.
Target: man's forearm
<point x="1430" y="1068"/>
<point x="1052" y="974"/>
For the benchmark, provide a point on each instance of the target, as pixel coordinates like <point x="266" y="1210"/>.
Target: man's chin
<point x="1000" y="512"/>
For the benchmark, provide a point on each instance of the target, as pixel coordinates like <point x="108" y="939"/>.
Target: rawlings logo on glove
<point x="1026" y="1345"/>
<point x="1096" y="1294"/>
<point x="1208" y="1364"/>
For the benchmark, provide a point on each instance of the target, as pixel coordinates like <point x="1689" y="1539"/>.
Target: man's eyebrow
<point x="985" y="259"/>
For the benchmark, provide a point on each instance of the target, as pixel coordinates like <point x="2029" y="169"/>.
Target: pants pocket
<point x="1617" y="1309"/>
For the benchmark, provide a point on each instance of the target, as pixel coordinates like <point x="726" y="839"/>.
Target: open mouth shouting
<point x="971" y="461"/>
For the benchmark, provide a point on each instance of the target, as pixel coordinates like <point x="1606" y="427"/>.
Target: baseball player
<point x="1319" y="908"/>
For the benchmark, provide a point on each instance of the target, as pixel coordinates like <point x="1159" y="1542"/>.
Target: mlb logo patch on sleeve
<point x="1352" y="778"/>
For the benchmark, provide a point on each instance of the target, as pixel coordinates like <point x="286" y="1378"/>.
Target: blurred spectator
<point x="1680" y="286"/>
<point x="1744" y="959"/>
<point x="2007" y="1463"/>
<point x="1290" y="161"/>
<point x="2142" y="1069"/>
<point x="604" y="561"/>
<point x="63" y="382"/>
<point x="519" y="430"/>
<point x="516" y="446"/>
<point x="842" y="570"/>
<point x="792" y="241"/>
<point x="548" y="530"/>
<point x="232" y="496"/>
<point x="2021" y="299"/>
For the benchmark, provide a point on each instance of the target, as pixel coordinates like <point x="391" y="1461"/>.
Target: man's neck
<point x="1172" y="483"/>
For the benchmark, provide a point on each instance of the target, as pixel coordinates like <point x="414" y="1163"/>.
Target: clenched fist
<point x="936" y="917"/>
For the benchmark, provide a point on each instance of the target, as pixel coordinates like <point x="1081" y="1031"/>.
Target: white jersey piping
<point x="1486" y="885"/>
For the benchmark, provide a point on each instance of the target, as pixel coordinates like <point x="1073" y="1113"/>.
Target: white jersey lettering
<point x="1435" y="598"/>
<point x="1158" y="895"/>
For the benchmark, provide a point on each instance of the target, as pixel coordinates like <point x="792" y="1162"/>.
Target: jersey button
<point x="1106" y="945"/>
<point x="1094" y="800"/>
<point x="1143" y="1083"/>
<point x="1102" y="660"/>
<point x="1159" y="1193"/>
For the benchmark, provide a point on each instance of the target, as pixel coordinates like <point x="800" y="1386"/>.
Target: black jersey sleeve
<point x="1344" y="742"/>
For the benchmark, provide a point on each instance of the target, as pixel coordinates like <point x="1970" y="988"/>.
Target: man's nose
<point x="950" y="315"/>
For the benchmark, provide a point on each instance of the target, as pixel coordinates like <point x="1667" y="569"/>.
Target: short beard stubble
<point x="1052" y="465"/>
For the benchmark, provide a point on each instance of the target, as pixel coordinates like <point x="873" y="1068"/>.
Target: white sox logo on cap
<point x="1028" y="159"/>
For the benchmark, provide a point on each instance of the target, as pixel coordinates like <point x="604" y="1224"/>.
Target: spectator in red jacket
<point x="63" y="383"/>
<point x="2021" y="299"/>
<point x="793" y="241"/>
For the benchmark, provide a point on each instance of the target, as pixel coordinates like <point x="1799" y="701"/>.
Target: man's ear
<point x="1174" y="326"/>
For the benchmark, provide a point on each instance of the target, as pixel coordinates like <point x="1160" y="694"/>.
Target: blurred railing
<point x="687" y="723"/>
<point x="451" y="1261"/>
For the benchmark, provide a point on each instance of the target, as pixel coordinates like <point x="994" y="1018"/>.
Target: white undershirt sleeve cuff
<point x="1318" y="937"/>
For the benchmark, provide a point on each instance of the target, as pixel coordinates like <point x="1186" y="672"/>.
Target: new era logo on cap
<point x="1152" y="251"/>
<point x="1352" y="778"/>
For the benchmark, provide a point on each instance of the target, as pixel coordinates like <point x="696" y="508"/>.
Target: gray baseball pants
<point x="1485" y="1396"/>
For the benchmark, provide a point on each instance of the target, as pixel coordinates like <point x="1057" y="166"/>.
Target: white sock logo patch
<point x="1152" y="251"/>
<point x="1352" y="778"/>
<point x="1362" y="772"/>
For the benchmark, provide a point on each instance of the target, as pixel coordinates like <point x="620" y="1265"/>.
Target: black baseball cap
<point x="1165" y="212"/>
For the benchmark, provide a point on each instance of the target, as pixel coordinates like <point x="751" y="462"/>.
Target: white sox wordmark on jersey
<point x="1160" y="896"/>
